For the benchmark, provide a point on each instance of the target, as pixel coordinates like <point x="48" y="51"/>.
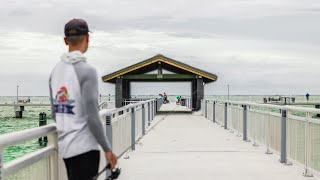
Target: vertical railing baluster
<point x="268" y="132"/>
<point x="230" y="117"/>
<point x="205" y="108"/>
<point x="54" y="158"/>
<point x="255" y="126"/>
<point x="225" y="115"/>
<point x="238" y="115"/>
<point x="143" y="120"/>
<point x="155" y="109"/>
<point x="1" y="164"/>
<point x="151" y="108"/>
<point x="283" y="158"/>
<point x="245" y="123"/>
<point x="109" y="130"/>
<point x="133" y="128"/>
<point x="307" y="146"/>
<point x="214" y="112"/>
<point x="149" y="114"/>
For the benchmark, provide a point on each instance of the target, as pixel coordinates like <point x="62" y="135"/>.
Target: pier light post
<point x="17" y="93"/>
<point x="228" y="92"/>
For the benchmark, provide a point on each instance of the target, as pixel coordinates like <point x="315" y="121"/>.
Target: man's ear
<point x="88" y="38"/>
<point x="65" y="41"/>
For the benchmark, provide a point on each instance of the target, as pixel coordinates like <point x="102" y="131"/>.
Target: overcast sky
<point x="258" y="47"/>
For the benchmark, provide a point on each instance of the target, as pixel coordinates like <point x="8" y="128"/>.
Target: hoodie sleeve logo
<point x="62" y="102"/>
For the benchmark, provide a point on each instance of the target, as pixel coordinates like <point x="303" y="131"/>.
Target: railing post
<point x="1" y="164"/>
<point x="214" y="112"/>
<point x="245" y="126"/>
<point x="149" y="114"/>
<point x="143" y="120"/>
<point x="133" y="128"/>
<point x="307" y="141"/>
<point x="151" y="110"/>
<point x="225" y="115"/>
<point x="283" y="158"/>
<point x="109" y="128"/>
<point x="205" y="108"/>
<point x="109" y="133"/>
<point x="187" y="101"/>
<point x="54" y="158"/>
<point x="154" y="108"/>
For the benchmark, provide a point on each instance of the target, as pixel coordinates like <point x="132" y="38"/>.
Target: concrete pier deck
<point x="190" y="147"/>
<point x="173" y="108"/>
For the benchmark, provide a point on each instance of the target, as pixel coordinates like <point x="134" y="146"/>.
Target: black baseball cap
<point x="76" y="27"/>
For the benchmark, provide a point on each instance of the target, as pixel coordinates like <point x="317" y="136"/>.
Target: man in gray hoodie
<point x="74" y="100"/>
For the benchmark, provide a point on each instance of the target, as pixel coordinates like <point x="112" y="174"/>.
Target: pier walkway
<point x="189" y="147"/>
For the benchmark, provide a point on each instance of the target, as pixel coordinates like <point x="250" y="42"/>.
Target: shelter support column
<point x="200" y="92"/>
<point x="193" y="95"/>
<point x="122" y="91"/>
<point x="197" y="93"/>
<point x="126" y="90"/>
<point x="119" y="92"/>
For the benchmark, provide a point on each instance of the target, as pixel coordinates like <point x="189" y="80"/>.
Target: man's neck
<point x="71" y="49"/>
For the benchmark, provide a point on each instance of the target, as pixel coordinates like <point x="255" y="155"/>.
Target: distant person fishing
<point x="307" y="96"/>
<point x="165" y="98"/>
<point x="178" y="99"/>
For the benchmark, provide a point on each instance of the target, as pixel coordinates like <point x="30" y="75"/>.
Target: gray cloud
<point x="258" y="47"/>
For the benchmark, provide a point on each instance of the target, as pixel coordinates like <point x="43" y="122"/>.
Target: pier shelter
<point x="140" y="72"/>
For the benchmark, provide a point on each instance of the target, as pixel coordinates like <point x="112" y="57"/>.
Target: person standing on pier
<point x="307" y="96"/>
<point x="74" y="100"/>
<point x="165" y="98"/>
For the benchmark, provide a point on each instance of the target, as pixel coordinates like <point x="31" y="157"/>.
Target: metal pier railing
<point x="124" y="126"/>
<point x="290" y="131"/>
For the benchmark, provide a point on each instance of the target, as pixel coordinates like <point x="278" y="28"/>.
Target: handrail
<point x="293" y="132"/>
<point x="28" y="159"/>
<point x="26" y="104"/>
<point x="101" y="104"/>
<point x="18" y="137"/>
<point x="287" y="107"/>
<point x="146" y="113"/>
<point x="128" y="106"/>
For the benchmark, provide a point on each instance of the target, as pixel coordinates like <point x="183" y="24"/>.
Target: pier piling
<point x="18" y="111"/>
<point x="43" y="122"/>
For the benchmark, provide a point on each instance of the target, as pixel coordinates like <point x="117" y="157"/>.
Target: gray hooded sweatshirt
<point x="74" y="100"/>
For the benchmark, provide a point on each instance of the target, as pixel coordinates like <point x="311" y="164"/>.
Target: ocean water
<point x="8" y="123"/>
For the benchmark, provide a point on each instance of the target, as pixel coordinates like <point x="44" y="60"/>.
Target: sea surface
<point x="8" y="122"/>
